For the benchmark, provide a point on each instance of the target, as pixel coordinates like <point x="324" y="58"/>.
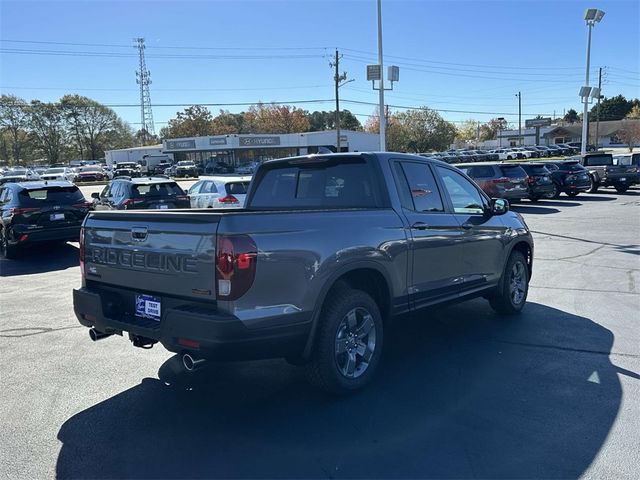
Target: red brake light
<point x="19" y="210"/>
<point x="236" y="259"/>
<point x="83" y="205"/>
<point x="228" y="199"/>
<point x="131" y="201"/>
<point x="183" y="197"/>
<point x="501" y="180"/>
<point x="82" y="251"/>
<point x="531" y="180"/>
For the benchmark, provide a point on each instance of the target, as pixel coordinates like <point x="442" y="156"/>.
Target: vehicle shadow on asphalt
<point x="461" y="393"/>
<point x="40" y="259"/>
<point x="590" y="197"/>
<point x="533" y="209"/>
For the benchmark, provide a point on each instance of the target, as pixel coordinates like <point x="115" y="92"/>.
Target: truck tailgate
<point x="169" y="253"/>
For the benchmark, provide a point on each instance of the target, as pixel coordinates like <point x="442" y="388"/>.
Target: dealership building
<point x="239" y="149"/>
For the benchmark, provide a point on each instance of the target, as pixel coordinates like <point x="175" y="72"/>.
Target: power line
<point x="299" y="87"/>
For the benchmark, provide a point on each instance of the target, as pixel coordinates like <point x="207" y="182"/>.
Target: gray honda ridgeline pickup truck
<point x="327" y="250"/>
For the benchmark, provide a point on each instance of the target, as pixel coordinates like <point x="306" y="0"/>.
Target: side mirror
<point x="499" y="206"/>
<point x="95" y="195"/>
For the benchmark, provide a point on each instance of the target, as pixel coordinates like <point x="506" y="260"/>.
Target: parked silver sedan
<point x="219" y="192"/>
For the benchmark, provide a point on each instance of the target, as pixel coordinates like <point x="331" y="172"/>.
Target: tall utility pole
<point x="383" y="142"/>
<point x="519" y="95"/>
<point x="143" y="78"/>
<point x="598" y="111"/>
<point x="337" y="78"/>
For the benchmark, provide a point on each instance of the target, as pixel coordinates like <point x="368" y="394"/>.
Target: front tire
<point x="514" y="288"/>
<point x="348" y="344"/>
<point x="622" y="188"/>
<point x="593" y="185"/>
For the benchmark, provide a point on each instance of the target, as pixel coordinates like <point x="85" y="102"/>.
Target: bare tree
<point x="630" y="133"/>
<point x="48" y="127"/>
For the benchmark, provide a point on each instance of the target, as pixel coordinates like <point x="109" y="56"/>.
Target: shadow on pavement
<point x="558" y="203"/>
<point x="590" y="197"/>
<point x="461" y="393"/>
<point x="41" y="258"/>
<point x="533" y="209"/>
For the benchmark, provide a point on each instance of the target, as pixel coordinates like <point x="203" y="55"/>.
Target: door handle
<point x="467" y="226"/>
<point x="419" y="226"/>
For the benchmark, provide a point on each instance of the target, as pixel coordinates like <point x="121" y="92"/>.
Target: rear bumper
<point x="621" y="180"/>
<point x="540" y="190"/>
<point x="42" y="235"/>
<point x="219" y="336"/>
<point x="579" y="186"/>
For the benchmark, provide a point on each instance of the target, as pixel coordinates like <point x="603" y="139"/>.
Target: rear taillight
<point x="236" y="259"/>
<point x="83" y="205"/>
<point x="19" y="210"/>
<point x="82" y="251"/>
<point x="183" y="197"/>
<point x="228" y="199"/>
<point x="531" y="180"/>
<point x="131" y="201"/>
<point x="501" y="180"/>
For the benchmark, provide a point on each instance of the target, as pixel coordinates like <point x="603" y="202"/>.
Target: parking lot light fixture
<point x="591" y="16"/>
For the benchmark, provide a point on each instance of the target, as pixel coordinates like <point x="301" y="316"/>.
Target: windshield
<point x="513" y="171"/>
<point x="126" y="165"/>
<point x="186" y="164"/>
<point x="90" y="169"/>
<point x="17" y="172"/>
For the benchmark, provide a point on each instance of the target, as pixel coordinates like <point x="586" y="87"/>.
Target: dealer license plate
<point x="162" y="207"/>
<point x="148" y="307"/>
<point x="623" y="179"/>
<point x="56" y="216"/>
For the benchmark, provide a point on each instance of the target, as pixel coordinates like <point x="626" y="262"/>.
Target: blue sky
<point x="455" y="56"/>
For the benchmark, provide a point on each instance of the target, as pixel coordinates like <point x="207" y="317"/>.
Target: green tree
<point x="47" y="124"/>
<point x="489" y="130"/>
<point x="13" y="121"/>
<point x="613" y="108"/>
<point x="571" y="116"/>
<point x="634" y="114"/>
<point x="321" y="120"/>
<point x="194" y="121"/>
<point x="467" y="131"/>
<point x="226" y="123"/>
<point x="263" y="118"/>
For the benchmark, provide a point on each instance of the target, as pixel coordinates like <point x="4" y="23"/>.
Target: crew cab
<point x="327" y="250"/>
<point x="603" y="172"/>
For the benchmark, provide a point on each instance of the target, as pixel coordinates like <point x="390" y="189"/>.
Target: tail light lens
<point x="236" y="259"/>
<point x="83" y="205"/>
<point x="531" y="180"/>
<point x="228" y="199"/>
<point x="20" y="210"/>
<point x="183" y="197"/>
<point x="131" y="201"/>
<point x="501" y="180"/>
<point x="82" y="251"/>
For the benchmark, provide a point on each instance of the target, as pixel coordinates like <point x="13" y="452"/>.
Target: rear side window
<point x="335" y="183"/>
<point x="50" y="195"/>
<point x="156" y="190"/>
<point x="420" y="191"/>
<point x="236" y="188"/>
<point x="512" y="171"/>
<point x="571" y="167"/>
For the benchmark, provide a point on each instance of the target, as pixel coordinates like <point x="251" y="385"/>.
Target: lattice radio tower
<point x="143" y="78"/>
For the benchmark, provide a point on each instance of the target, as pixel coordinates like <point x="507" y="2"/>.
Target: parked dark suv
<point x="141" y="193"/>
<point x="498" y="180"/>
<point x="39" y="212"/>
<point x="539" y="181"/>
<point x="569" y="177"/>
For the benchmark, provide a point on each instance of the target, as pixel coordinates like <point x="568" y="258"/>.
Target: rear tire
<point x="593" y="186"/>
<point x="622" y="189"/>
<point x="348" y="345"/>
<point x="534" y="199"/>
<point x="514" y="286"/>
<point x="556" y="191"/>
<point x="7" y="251"/>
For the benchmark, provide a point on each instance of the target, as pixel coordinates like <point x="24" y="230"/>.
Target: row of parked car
<point x="508" y="153"/>
<point x="89" y="173"/>
<point x="53" y="210"/>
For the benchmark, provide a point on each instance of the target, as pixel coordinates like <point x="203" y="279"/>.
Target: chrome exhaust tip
<point x="191" y="364"/>
<point x="98" y="335"/>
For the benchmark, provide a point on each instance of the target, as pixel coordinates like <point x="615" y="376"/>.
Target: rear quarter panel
<point x="299" y="252"/>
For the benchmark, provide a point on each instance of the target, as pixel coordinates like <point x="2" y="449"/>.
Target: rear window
<point x="157" y="190"/>
<point x="571" y="167"/>
<point x="535" y="169"/>
<point x="596" y="160"/>
<point x="236" y="188"/>
<point x="49" y="195"/>
<point x="322" y="184"/>
<point x="478" y="171"/>
<point x="512" y="171"/>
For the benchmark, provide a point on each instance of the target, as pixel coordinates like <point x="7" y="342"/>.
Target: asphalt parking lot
<point x="461" y="393"/>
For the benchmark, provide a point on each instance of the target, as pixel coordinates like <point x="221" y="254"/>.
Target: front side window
<point x="464" y="195"/>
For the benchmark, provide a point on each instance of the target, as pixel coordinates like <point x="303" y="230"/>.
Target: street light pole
<point x="585" y="113"/>
<point x="591" y="16"/>
<point x="381" y="115"/>
<point x="519" y="95"/>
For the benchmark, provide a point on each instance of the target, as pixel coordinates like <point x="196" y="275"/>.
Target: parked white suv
<point x="219" y="192"/>
<point x="59" y="173"/>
